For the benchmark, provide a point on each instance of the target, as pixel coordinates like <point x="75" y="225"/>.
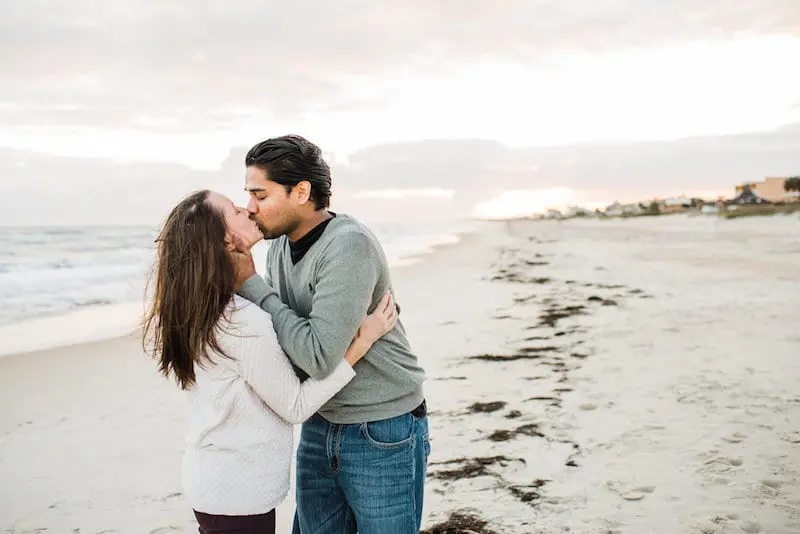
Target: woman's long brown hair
<point x="194" y="283"/>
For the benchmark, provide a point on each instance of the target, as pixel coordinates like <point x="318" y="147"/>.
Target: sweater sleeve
<point x="344" y="286"/>
<point x="267" y="371"/>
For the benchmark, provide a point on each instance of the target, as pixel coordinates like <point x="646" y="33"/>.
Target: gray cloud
<point x="191" y="60"/>
<point x="40" y="189"/>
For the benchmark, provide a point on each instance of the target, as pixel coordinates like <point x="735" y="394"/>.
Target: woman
<point x="243" y="395"/>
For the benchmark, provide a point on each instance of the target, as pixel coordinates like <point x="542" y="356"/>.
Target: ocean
<point x="53" y="281"/>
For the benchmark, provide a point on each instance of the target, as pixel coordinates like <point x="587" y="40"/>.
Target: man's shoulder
<point x="350" y="231"/>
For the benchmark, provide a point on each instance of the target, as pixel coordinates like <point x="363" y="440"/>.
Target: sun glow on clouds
<point x="523" y="202"/>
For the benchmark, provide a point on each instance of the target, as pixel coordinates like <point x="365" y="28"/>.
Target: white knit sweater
<point x="241" y="412"/>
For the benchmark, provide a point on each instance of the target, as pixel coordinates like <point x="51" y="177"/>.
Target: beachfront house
<point x="790" y="196"/>
<point x="623" y="210"/>
<point x="576" y="211"/>
<point x="771" y="189"/>
<point x="675" y="204"/>
<point x="709" y="209"/>
<point x="613" y="210"/>
<point x="746" y="196"/>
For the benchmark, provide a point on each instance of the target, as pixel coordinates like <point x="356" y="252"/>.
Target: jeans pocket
<point x="390" y="433"/>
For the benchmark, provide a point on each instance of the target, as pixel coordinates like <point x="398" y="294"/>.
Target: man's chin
<point x="263" y="231"/>
<point x="266" y="234"/>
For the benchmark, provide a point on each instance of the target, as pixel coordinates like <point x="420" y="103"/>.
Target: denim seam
<point x="414" y="473"/>
<point x="328" y="448"/>
<point x="337" y="449"/>
<point x="346" y="529"/>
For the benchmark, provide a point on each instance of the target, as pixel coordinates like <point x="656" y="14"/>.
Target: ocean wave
<point x="55" y="271"/>
<point x="94" y="302"/>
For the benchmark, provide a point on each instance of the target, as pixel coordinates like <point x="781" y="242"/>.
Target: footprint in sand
<point x="750" y="527"/>
<point x="770" y="488"/>
<point x="726" y="461"/>
<point x="736" y="437"/>
<point x="637" y="494"/>
<point x="720" y="464"/>
<point x="724" y="524"/>
<point x="630" y="494"/>
<point x="794" y="437"/>
<point x="633" y="496"/>
<point x="718" y="472"/>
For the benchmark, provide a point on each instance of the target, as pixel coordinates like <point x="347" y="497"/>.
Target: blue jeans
<point x="367" y="478"/>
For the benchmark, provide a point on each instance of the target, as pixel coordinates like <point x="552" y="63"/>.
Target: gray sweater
<point x="317" y="306"/>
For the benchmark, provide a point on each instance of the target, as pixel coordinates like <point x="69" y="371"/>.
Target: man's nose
<point x="252" y="206"/>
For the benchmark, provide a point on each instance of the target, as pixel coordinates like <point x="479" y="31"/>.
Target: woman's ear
<point x="230" y="246"/>
<point x="234" y="243"/>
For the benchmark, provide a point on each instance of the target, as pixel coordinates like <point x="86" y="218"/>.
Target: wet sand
<point x="632" y="376"/>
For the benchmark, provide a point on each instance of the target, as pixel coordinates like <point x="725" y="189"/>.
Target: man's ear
<point x="303" y="190"/>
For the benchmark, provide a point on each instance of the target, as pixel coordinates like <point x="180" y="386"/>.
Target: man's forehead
<point x="256" y="179"/>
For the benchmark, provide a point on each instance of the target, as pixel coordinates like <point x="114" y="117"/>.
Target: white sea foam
<point x="92" y="323"/>
<point x="65" y="286"/>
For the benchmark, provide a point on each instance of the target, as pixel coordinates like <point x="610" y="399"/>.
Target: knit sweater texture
<point x="241" y="411"/>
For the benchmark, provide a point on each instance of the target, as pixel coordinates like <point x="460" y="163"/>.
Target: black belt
<point x="420" y="411"/>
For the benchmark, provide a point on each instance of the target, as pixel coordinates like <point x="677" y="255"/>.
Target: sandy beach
<point x="621" y="376"/>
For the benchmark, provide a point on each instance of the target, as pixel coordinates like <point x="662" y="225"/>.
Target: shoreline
<point x="95" y="323"/>
<point x="94" y="403"/>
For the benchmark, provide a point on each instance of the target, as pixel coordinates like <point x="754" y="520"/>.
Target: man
<point x="361" y="461"/>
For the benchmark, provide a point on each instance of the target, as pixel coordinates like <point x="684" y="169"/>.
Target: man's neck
<point x="309" y="224"/>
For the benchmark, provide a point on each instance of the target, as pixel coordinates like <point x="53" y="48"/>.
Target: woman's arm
<point x="267" y="370"/>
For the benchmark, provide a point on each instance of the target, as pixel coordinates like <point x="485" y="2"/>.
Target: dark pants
<point x="368" y="477"/>
<point x="236" y="524"/>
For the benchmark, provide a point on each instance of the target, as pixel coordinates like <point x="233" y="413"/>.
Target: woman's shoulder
<point x="243" y="309"/>
<point x="246" y="316"/>
<point x="246" y="330"/>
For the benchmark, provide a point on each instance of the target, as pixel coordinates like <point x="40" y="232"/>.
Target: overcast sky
<point x="184" y="81"/>
<point x="355" y="72"/>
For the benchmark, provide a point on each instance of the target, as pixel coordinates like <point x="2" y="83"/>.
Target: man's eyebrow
<point x="254" y="188"/>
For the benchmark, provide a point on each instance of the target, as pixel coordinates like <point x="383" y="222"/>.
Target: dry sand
<point x="585" y="376"/>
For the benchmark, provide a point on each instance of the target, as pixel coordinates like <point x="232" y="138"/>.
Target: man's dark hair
<point x="291" y="159"/>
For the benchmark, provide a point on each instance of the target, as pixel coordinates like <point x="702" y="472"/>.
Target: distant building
<point x="576" y="211"/>
<point x="671" y="205"/>
<point x="746" y="196"/>
<point x="770" y="189"/>
<point x="619" y="210"/>
<point x="613" y="210"/>
<point x="709" y="209"/>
